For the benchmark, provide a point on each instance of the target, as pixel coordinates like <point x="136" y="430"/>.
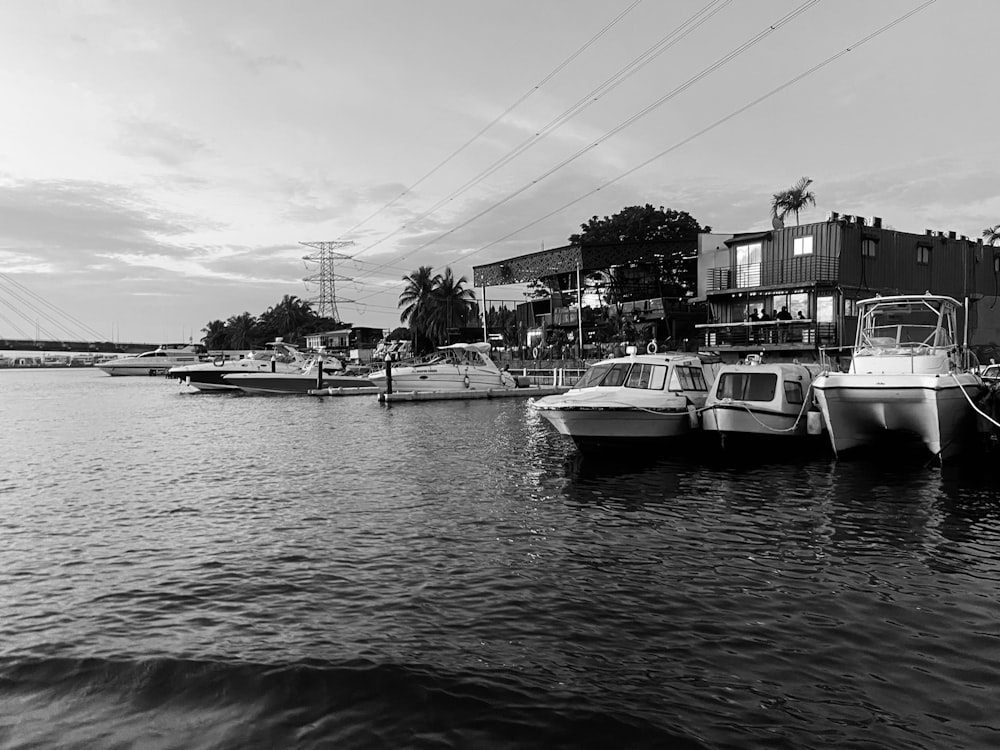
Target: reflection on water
<point x="454" y="564"/>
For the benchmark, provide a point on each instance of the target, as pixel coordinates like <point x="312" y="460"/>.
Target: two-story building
<point x="812" y="276"/>
<point x="356" y="343"/>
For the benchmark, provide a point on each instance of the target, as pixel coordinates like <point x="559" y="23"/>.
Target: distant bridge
<point x="20" y="345"/>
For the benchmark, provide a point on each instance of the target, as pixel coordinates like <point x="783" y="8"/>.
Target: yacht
<point x="276" y="357"/>
<point x="157" y="362"/>
<point x="754" y="399"/>
<point x="633" y="401"/>
<point x="908" y="376"/>
<point x="320" y="372"/>
<point x="457" y="367"/>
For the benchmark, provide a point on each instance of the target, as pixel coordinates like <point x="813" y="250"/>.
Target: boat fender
<point x="466" y="381"/>
<point x="651" y="347"/>
<point x="218" y="361"/>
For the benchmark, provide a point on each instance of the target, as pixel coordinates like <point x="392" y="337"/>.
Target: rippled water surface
<point x="184" y="570"/>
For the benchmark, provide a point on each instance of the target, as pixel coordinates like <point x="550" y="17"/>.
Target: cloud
<point x="159" y="141"/>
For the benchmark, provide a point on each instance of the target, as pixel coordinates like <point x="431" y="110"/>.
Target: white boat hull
<point x="585" y="424"/>
<point x="439" y="379"/>
<point x="740" y="418"/>
<point x="861" y="409"/>
<point x="285" y="384"/>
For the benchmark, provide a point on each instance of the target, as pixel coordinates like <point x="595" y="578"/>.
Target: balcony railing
<point x="771" y="334"/>
<point x="804" y="269"/>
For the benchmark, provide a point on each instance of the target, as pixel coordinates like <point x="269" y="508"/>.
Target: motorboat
<point x="755" y="399"/>
<point x="633" y="400"/>
<point x="276" y="357"/>
<point x="456" y="367"/>
<point x="320" y="372"/>
<point x="908" y="375"/>
<point x="156" y="362"/>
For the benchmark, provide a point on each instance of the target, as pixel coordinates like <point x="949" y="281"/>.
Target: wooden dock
<point x="533" y="390"/>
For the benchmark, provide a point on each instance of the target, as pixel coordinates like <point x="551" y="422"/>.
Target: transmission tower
<point x="325" y="255"/>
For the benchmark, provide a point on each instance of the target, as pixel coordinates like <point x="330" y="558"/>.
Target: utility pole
<point x="325" y="255"/>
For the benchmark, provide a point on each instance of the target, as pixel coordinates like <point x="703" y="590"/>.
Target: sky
<point x="162" y="161"/>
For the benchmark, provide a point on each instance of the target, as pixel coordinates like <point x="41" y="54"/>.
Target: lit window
<point x="923" y="255"/>
<point x="803" y="246"/>
<point x="868" y="247"/>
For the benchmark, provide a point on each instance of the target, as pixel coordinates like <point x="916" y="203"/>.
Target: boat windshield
<point x="906" y="324"/>
<point x="610" y="374"/>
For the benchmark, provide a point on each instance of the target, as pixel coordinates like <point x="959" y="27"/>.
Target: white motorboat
<point x="457" y="367"/>
<point x="157" y="362"/>
<point x="276" y="357"/>
<point x="756" y="398"/>
<point x="907" y="375"/>
<point x="334" y="375"/>
<point x="632" y="400"/>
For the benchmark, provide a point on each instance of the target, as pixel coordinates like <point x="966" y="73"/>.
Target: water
<point x="184" y="570"/>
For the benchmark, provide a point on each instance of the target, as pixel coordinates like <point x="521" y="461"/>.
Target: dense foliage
<point x="674" y="274"/>
<point x="639" y="224"/>
<point x="291" y="319"/>
<point x="434" y="304"/>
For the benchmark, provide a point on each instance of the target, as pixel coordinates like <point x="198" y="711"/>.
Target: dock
<point x="532" y="390"/>
<point x="344" y="391"/>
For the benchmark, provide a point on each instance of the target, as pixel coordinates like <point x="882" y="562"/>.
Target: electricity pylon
<point x="326" y="253"/>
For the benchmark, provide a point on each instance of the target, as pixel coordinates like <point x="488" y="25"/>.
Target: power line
<point x="499" y="117"/>
<point x="623" y="74"/>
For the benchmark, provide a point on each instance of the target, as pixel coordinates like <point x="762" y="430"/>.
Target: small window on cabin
<point x="687" y="379"/>
<point x="996" y="264"/>
<point x="802" y="246"/>
<point x="616" y="375"/>
<point x="793" y="392"/>
<point x="868" y="246"/>
<point x="923" y="255"/>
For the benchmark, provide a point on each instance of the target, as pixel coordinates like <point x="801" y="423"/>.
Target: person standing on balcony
<point x="783" y="317"/>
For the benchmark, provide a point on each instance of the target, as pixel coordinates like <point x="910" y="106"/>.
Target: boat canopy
<point x="480" y="347"/>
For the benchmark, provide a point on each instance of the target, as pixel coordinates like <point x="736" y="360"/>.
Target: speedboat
<point x="632" y="401"/>
<point x="457" y="367"/>
<point x="277" y="357"/>
<point x="755" y="399"/>
<point x="319" y="373"/>
<point x="157" y="362"/>
<point x="908" y="376"/>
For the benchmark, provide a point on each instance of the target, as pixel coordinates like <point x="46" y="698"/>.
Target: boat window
<point x="594" y="375"/>
<point x="685" y="378"/>
<point x="793" y="392"/>
<point x="646" y="376"/>
<point x="748" y="386"/>
<point x="616" y="375"/>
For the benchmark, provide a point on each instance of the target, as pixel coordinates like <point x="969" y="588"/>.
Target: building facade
<point x="812" y="276"/>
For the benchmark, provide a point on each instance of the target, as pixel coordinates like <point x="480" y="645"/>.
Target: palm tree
<point x="991" y="234"/>
<point x="215" y="335"/>
<point x="451" y="305"/>
<point x="290" y="315"/>
<point x="415" y="300"/>
<point x="241" y="329"/>
<point x="793" y="200"/>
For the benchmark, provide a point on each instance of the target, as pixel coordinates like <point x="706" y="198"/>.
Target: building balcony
<point x="771" y="334"/>
<point x="805" y="269"/>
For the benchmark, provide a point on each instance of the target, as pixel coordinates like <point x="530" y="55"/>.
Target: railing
<point x="777" y="334"/>
<point x="800" y="270"/>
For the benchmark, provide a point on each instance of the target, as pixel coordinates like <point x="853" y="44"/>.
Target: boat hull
<point x="740" y="418"/>
<point x="439" y="379"/>
<point x="278" y="384"/>
<point x="618" y="424"/>
<point x="859" y="410"/>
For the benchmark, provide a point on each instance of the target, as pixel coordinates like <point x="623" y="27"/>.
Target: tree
<point x="415" y="299"/>
<point x="672" y="273"/>
<point x="991" y="234"/>
<point x="216" y="335"/>
<point x="793" y="200"/>
<point x="639" y="224"/>
<point x="241" y="330"/>
<point x="451" y="305"/>
<point x="290" y="316"/>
